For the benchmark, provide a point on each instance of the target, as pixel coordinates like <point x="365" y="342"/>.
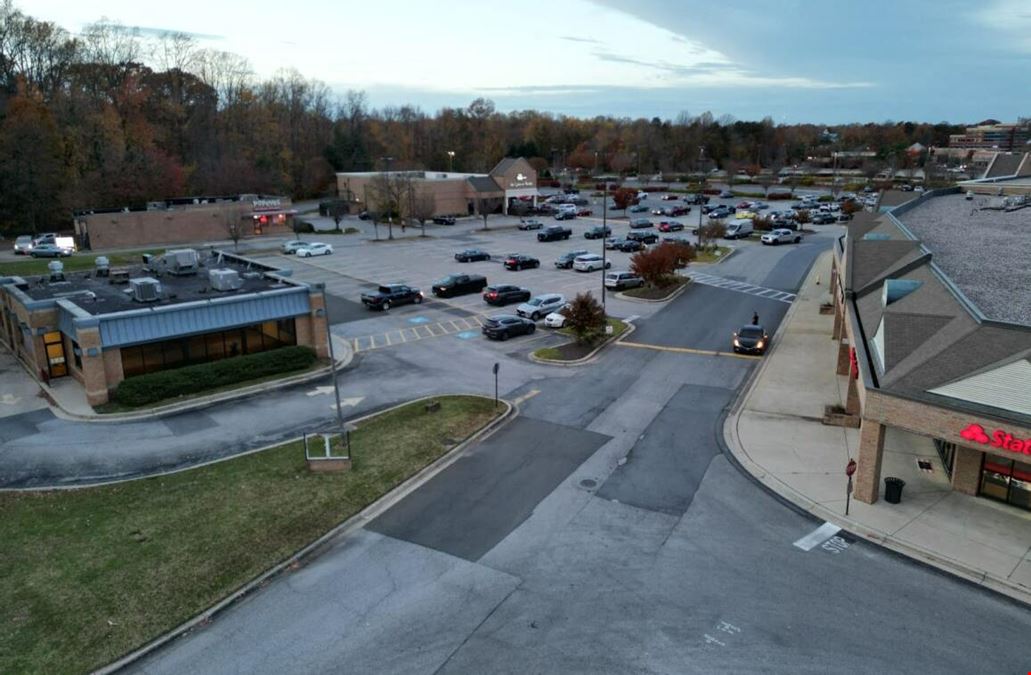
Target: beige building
<point x="513" y="179"/>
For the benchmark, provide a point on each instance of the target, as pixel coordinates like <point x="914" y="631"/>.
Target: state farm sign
<point x="998" y="439"/>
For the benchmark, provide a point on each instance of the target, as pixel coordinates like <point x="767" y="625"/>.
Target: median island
<point x="94" y="573"/>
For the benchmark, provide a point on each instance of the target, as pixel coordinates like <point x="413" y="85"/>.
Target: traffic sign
<point x="850" y="468"/>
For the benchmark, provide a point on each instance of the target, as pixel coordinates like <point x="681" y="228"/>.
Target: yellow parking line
<point x="415" y="333"/>
<point x="401" y="333"/>
<point x="356" y="348"/>
<point x="386" y="336"/>
<point x="427" y="330"/>
<point x="686" y="350"/>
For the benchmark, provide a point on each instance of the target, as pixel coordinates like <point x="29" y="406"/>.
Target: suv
<point x="598" y="232"/>
<point x="643" y="237"/>
<point x="540" y="305"/>
<point x="781" y="236"/>
<point x="640" y="224"/>
<point x="565" y="214"/>
<point x="565" y="261"/>
<point x="530" y="224"/>
<point x="590" y="263"/>
<point x="505" y="294"/>
<point x="437" y="220"/>
<point x="554" y="232"/>
<point x="622" y="280"/>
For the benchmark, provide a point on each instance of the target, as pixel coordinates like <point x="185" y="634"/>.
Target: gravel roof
<point x="983" y="252"/>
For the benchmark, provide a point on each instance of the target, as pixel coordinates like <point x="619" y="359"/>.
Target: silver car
<point x="23" y="245"/>
<point x="541" y="305"/>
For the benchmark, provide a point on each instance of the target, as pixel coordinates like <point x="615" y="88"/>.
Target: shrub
<point x="303" y="227"/>
<point x="165" y="384"/>
<point x="762" y="223"/>
<point x="657" y="265"/>
<point x="585" y="318"/>
<point x="351" y="230"/>
<point x="825" y="198"/>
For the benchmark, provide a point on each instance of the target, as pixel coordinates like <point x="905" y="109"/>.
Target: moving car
<point x="640" y="224"/>
<point x="590" y="263"/>
<point x="662" y="211"/>
<point x="751" y="339"/>
<point x="530" y="224"/>
<point x="554" y="233"/>
<point x="739" y="229"/>
<point x="622" y="280"/>
<point x="459" y="284"/>
<point x="290" y="247"/>
<point x="668" y="198"/>
<point x="823" y="219"/>
<point x="539" y="305"/>
<point x="505" y="294"/>
<point x="726" y="194"/>
<point x="780" y="236"/>
<point x="388" y="295"/>
<point x="720" y="212"/>
<point x="565" y="261"/>
<point x="472" y="255"/>
<point x="598" y="232"/>
<point x="22" y="245"/>
<point x="613" y="243"/>
<point x="630" y="246"/>
<point x="314" y="248"/>
<point x="504" y="326"/>
<point x="585" y="212"/>
<point x="50" y="251"/>
<point x="670" y="226"/>
<point x="444" y="220"/>
<point x="679" y="211"/>
<point x="518" y="261"/>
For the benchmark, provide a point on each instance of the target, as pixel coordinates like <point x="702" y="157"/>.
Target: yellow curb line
<point x="687" y="350"/>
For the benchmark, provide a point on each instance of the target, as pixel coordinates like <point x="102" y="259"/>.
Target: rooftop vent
<point x="225" y="280"/>
<point x="145" y="289"/>
<point x="179" y="262"/>
<point x="56" y="268"/>
<point x="103" y="266"/>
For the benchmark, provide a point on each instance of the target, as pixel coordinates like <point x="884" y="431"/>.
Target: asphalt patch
<point x="476" y="502"/>
<point x="667" y="465"/>
<point x="188" y="423"/>
<point x="24" y="424"/>
<point x="342" y="310"/>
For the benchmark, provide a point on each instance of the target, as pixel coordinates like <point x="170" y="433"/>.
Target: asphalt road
<point x="605" y="531"/>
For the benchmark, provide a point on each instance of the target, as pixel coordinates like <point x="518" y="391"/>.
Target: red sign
<point x="998" y="439"/>
<point x="853" y="367"/>
<point x="851" y="468"/>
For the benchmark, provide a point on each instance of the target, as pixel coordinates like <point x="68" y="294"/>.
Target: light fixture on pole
<point x="450" y="160"/>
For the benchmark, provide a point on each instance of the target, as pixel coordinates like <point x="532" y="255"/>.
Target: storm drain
<point x="588" y="483"/>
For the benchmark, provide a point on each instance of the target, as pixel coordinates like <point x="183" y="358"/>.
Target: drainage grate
<point x="589" y="483"/>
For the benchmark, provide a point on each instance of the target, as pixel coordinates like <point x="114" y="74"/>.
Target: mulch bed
<point x="652" y="292"/>
<point x="572" y="351"/>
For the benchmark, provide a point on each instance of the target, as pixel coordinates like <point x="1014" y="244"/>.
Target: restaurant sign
<point x="267" y="205"/>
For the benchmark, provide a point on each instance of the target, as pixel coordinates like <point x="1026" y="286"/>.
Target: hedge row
<point x="166" y="384"/>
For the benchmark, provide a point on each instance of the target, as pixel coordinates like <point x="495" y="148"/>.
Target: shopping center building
<point x="932" y="299"/>
<point x="102" y="326"/>
<point x="512" y="180"/>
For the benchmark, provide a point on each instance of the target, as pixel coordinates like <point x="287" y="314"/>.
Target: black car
<point x="459" y="284"/>
<point x="518" y="261"/>
<point x="506" y="325"/>
<point x="565" y="214"/>
<point x="444" y="220"/>
<point x="565" y="261"/>
<point x="598" y="232"/>
<point x="388" y="295"/>
<point x="640" y="224"/>
<point x="823" y="219"/>
<point x="630" y="245"/>
<point x="505" y="294"/>
<point x="472" y="255"/>
<point x="643" y="237"/>
<point x="554" y="233"/>
<point x="678" y="240"/>
<point x="751" y="339"/>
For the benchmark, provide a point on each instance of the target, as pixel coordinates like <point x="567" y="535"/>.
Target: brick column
<point x="844" y="362"/>
<point x="839" y="323"/>
<point x="966" y="470"/>
<point x="94" y="373"/>
<point x="868" y="471"/>
<point x="852" y="398"/>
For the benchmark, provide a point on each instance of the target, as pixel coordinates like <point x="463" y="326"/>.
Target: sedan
<point x="615" y="243"/>
<point x="556" y="319"/>
<point x="751" y="340"/>
<point x="50" y="251"/>
<point x="670" y="226"/>
<point x="505" y="326"/>
<point x="505" y="294"/>
<point x="518" y="261"/>
<point x="444" y="220"/>
<point x="472" y="255"/>
<point x="22" y="245"/>
<point x="530" y="224"/>
<point x="585" y="212"/>
<point x="638" y="208"/>
<point x="640" y="224"/>
<point x="290" y="247"/>
<point x="781" y="236"/>
<point x="314" y="248"/>
<point x="669" y="198"/>
<point x="630" y="246"/>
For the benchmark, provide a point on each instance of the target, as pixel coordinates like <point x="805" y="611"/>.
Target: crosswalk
<point x="463" y="327"/>
<point x="742" y="287"/>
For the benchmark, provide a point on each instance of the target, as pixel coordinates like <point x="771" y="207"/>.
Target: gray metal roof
<point x="1008" y="385"/>
<point x="1004" y="164"/>
<point x="484" y="184"/>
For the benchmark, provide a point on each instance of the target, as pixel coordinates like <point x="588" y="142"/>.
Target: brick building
<point x="178" y="309"/>
<point x="933" y="318"/>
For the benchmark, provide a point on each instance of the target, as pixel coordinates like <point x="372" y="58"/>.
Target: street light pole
<point x="333" y="366"/>
<point x="604" y="237"/>
<point x="698" y="232"/>
<point x="450" y="161"/>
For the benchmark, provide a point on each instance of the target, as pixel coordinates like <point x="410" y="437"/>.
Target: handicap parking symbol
<point x="418" y="319"/>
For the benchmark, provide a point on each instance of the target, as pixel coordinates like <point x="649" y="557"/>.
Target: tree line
<point x="110" y="118"/>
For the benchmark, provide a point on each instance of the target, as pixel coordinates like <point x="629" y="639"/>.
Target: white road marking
<point x="347" y="402"/>
<point x="527" y="396"/>
<point x="817" y="536"/>
<point x="317" y="391"/>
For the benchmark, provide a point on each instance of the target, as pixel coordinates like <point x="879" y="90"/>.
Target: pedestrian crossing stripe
<point x="743" y="287"/>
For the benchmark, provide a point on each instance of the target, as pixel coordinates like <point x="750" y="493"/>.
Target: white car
<point x="541" y="305"/>
<point x="292" y="246"/>
<point x="314" y="248"/>
<point x="590" y="263"/>
<point x="781" y="236"/>
<point x="556" y="319"/>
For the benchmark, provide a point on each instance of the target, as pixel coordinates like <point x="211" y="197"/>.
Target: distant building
<point x="1007" y="173"/>
<point x="992" y="135"/>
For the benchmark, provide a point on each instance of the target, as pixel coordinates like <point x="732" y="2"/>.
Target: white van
<point x="738" y="229"/>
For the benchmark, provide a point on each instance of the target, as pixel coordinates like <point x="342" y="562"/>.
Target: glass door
<point x="53" y="342"/>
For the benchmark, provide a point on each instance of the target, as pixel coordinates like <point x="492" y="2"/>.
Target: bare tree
<point x="338" y="208"/>
<point x="422" y="206"/>
<point x="232" y="220"/>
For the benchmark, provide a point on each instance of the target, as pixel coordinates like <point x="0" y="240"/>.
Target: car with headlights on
<point x="751" y="339"/>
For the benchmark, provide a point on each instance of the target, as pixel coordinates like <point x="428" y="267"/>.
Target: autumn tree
<point x="802" y="217"/>
<point x="585" y="317"/>
<point x="710" y="232"/>
<point x="623" y="198"/>
<point x="658" y="265"/>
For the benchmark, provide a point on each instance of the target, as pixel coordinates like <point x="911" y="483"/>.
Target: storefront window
<point x="1007" y="481"/>
<point x="947" y="451"/>
<point x="53" y="343"/>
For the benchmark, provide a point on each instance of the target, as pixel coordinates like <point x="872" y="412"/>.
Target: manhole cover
<point x="588" y="483"/>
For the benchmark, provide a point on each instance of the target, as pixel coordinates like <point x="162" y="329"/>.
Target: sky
<point x="818" y="61"/>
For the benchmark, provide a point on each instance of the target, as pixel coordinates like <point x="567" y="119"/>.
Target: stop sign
<point x="851" y="468"/>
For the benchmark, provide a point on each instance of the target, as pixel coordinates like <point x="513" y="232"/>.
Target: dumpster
<point x="893" y="489"/>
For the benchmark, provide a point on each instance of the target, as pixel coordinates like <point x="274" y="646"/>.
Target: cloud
<point x="580" y="39"/>
<point x="1012" y="18"/>
<point x="162" y="32"/>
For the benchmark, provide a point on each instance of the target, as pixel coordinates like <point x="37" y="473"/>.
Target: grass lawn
<point x="655" y="293"/>
<point x="78" y="262"/>
<point x="91" y="574"/>
<point x="711" y="255"/>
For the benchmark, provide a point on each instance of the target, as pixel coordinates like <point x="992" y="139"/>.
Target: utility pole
<point x="333" y="369"/>
<point x="604" y="238"/>
<point x="698" y="232"/>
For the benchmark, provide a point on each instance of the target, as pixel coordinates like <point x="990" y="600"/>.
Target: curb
<point x="669" y="298"/>
<point x="313" y="549"/>
<point x="805" y="506"/>
<point x="584" y="360"/>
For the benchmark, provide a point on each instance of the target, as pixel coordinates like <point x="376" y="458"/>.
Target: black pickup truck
<point x="391" y="294"/>
<point x="459" y="284"/>
<point x="554" y="233"/>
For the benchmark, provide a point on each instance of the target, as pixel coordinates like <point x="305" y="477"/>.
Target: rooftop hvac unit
<point x="181" y="261"/>
<point x="145" y="289"/>
<point x="225" y="280"/>
<point x="103" y="266"/>
<point x="56" y="268"/>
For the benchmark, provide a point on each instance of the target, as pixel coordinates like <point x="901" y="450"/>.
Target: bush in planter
<point x="165" y="384"/>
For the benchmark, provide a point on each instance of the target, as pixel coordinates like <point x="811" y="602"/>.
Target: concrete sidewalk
<point x="776" y="433"/>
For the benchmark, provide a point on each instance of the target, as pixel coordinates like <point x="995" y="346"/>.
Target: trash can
<point x="893" y="489"/>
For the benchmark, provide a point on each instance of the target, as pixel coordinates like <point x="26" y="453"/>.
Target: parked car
<point x="613" y="243"/>
<point x="50" y="251"/>
<point x="643" y="237"/>
<point x="459" y="284"/>
<point x="751" y="339"/>
<point x="780" y="236"/>
<point x="290" y="247"/>
<point x="518" y="261"/>
<point x="504" y="326"/>
<point x="721" y="212"/>
<point x="539" y="305"/>
<point x="556" y="319"/>
<point x="668" y="198"/>
<point x="564" y="214"/>
<point x="554" y="233"/>
<point x="670" y="226"/>
<point x="678" y="240"/>
<point x="505" y="294"/>
<point x="640" y="224"/>
<point x="530" y="224"/>
<point x="444" y="220"/>
<point x="45" y="238"/>
<point x="314" y="248"/>
<point x="472" y="255"/>
<point x="699" y="199"/>
<point x="679" y="211"/>
<point x="565" y="261"/>
<point x="585" y="212"/>
<point x="662" y="211"/>
<point x="823" y="219"/>
<point x="726" y="194"/>
<point x="630" y="246"/>
<point x="598" y="232"/>
<point x="388" y="295"/>
<point x="590" y="263"/>
<point x="364" y="215"/>
<point x="638" y="208"/>
<point x="739" y="229"/>
<point x="22" y="245"/>
<point x="622" y="280"/>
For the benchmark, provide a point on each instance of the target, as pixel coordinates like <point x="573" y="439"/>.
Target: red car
<point x="680" y="211"/>
<point x="670" y="226"/>
<point x="584" y="212"/>
<point x="743" y="205"/>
